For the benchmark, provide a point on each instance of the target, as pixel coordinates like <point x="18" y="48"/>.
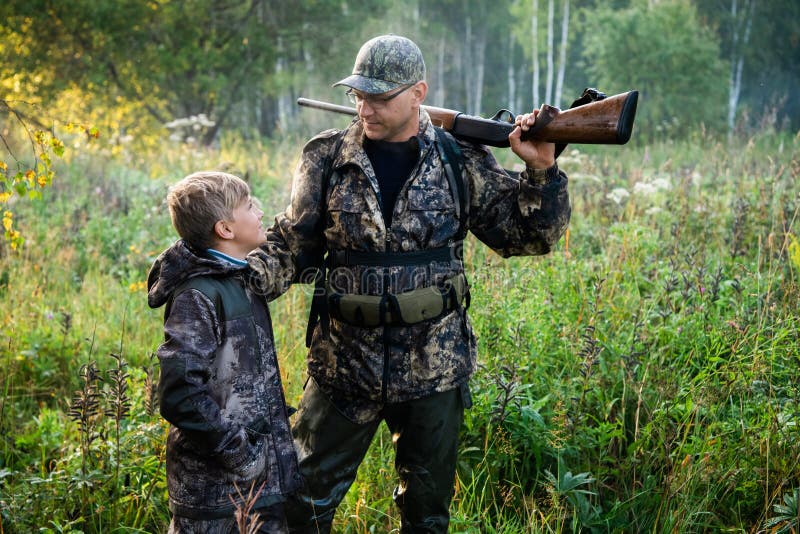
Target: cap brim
<point x="367" y="85"/>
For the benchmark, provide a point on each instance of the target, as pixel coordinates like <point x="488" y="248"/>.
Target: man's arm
<point x="517" y="214"/>
<point x="295" y="241"/>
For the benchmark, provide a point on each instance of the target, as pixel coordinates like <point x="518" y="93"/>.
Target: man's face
<point x="390" y="116"/>
<point x="246" y="226"/>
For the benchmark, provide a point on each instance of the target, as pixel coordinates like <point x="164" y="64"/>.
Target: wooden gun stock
<point x="606" y="122"/>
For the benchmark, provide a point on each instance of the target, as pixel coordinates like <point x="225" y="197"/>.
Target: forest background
<point x="642" y="377"/>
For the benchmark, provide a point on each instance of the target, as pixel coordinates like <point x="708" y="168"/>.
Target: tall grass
<point x="642" y="377"/>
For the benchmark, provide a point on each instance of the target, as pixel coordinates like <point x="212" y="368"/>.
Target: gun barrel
<point x="344" y="110"/>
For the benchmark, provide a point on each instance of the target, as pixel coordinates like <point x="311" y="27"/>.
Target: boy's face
<point x="248" y="233"/>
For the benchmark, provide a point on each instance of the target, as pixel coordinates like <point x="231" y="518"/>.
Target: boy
<point x="220" y="385"/>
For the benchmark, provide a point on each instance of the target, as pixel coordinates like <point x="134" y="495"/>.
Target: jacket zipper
<point x="386" y="351"/>
<point x="387" y="276"/>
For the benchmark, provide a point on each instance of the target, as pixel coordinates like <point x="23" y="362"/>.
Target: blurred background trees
<point x="136" y="66"/>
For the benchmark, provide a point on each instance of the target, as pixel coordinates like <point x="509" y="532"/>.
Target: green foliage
<point x="787" y="518"/>
<point x="664" y="51"/>
<point x="154" y="62"/>
<point x="642" y="377"/>
<point x="132" y="67"/>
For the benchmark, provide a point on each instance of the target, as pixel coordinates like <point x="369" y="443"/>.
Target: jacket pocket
<point x="420" y="199"/>
<point x="239" y="453"/>
<point x="349" y="203"/>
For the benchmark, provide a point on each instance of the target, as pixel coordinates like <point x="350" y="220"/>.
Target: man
<point x="389" y="336"/>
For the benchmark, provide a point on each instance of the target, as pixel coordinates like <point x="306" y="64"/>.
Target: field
<point x="643" y="377"/>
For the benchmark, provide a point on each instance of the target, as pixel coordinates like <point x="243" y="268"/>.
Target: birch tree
<point x="555" y="72"/>
<point x="510" y="71"/>
<point x="562" y="55"/>
<point x="535" y="50"/>
<point x="548" y="90"/>
<point x="741" y="22"/>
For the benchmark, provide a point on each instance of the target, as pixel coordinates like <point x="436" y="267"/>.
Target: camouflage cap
<point x="384" y="63"/>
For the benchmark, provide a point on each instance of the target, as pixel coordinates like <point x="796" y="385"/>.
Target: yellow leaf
<point x="58" y="146"/>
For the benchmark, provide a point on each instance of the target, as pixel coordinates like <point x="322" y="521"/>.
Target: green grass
<point x="642" y="377"/>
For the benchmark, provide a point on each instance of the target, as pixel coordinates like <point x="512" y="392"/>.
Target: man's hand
<point x="535" y="154"/>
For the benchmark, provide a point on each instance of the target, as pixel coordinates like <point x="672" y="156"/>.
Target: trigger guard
<point x="499" y="116"/>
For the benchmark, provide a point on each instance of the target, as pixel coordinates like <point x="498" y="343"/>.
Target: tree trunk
<point x="535" y="52"/>
<point x="439" y="93"/>
<point x="467" y="64"/>
<point x="738" y="47"/>
<point x="549" y="88"/>
<point x="562" y="56"/>
<point x="284" y="107"/>
<point x="480" y="68"/>
<point x="512" y="82"/>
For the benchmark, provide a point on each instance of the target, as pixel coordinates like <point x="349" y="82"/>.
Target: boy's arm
<point x="192" y="335"/>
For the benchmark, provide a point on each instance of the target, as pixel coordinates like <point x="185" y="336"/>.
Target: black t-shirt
<point x="393" y="163"/>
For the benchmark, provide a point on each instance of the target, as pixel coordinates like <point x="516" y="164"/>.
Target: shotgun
<point x="593" y="119"/>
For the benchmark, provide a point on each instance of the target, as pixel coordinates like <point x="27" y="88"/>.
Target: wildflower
<point x="137" y="286"/>
<point x="652" y="186"/>
<point x="644" y="188"/>
<point x="662" y="184"/>
<point x="618" y="195"/>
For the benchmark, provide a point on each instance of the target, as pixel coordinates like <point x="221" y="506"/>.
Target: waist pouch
<point x="399" y="309"/>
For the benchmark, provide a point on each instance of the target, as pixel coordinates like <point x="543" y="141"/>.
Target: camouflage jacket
<point x="220" y="387"/>
<point x="361" y="368"/>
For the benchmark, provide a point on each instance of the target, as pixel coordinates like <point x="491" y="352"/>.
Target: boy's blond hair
<point x="201" y="199"/>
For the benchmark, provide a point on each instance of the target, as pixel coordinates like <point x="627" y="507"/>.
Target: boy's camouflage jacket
<point x="220" y="389"/>
<point x="361" y="368"/>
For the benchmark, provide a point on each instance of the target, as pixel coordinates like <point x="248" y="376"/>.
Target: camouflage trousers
<point x="272" y="521"/>
<point x="331" y="447"/>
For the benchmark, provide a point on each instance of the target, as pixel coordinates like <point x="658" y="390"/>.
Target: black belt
<point x="347" y="257"/>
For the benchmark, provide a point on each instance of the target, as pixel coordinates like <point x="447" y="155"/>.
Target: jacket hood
<point x="176" y="265"/>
